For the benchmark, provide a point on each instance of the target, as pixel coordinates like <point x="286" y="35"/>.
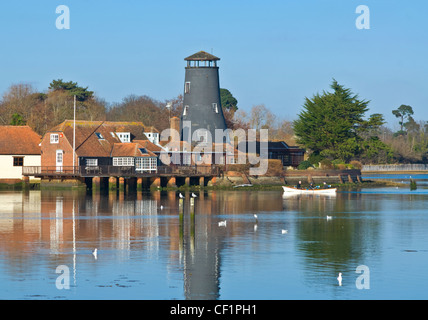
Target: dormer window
<point x="54" y="137"/>
<point x="99" y="135"/>
<point x="153" y="137"/>
<point x="124" y="136"/>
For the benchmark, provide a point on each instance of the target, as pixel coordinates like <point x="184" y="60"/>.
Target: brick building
<point x="98" y="143"/>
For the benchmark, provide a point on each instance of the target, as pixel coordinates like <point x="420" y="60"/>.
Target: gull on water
<point x="283" y="231"/>
<point x="339" y="278"/>
<point x="328" y="217"/>
<point x="255" y="217"/>
<point x="94" y="253"/>
<point x="222" y="223"/>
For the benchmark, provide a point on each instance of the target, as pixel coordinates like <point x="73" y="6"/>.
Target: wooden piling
<point x="112" y="184"/>
<point x="121" y="184"/>
<point x="139" y="184"/>
<point x="96" y="183"/>
<point x="172" y="182"/>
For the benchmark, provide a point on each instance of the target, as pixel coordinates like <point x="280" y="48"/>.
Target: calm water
<point x="147" y="252"/>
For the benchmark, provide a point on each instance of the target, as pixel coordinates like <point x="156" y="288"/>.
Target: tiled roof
<point x="149" y="145"/>
<point x="201" y="56"/>
<point x="130" y="150"/>
<point x="19" y="140"/>
<point x="97" y="138"/>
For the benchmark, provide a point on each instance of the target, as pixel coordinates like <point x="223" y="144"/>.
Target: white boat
<point x="291" y="190"/>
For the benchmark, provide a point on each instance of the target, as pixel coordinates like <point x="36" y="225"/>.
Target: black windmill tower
<point x="201" y="103"/>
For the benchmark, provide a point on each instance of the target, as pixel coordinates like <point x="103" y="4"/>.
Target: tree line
<point x="332" y="125"/>
<point x="21" y="104"/>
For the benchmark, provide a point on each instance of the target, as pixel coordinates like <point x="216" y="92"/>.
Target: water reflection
<point x="181" y="240"/>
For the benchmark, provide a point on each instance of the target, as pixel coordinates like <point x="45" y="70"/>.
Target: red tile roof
<point x="149" y="145"/>
<point x="19" y="140"/>
<point x="89" y="144"/>
<point x="130" y="150"/>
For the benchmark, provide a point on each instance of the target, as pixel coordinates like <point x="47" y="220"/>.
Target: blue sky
<point x="272" y="52"/>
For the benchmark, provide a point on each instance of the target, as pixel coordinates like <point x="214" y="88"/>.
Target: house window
<point x="215" y="108"/>
<point x="92" y="162"/>
<point x="123" y="161"/>
<point x="185" y="110"/>
<point x="54" y="137"/>
<point x="18" y="161"/>
<point x="145" y="164"/>
<point x="187" y="87"/>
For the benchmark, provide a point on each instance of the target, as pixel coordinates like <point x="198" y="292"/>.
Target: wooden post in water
<point x="139" y="184"/>
<point x="155" y="182"/>
<point x="181" y="216"/>
<point x="112" y="184"/>
<point x="96" y="182"/>
<point x="192" y="224"/>
<point x="340" y="178"/>
<point x="350" y="178"/>
<point x="172" y="182"/>
<point x="121" y="184"/>
<point x="180" y="228"/>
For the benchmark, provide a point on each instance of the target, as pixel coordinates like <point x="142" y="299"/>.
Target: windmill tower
<point x="201" y="103"/>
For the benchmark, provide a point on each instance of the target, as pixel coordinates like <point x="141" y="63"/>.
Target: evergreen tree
<point x="333" y="124"/>
<point x="228" y="101"/>
<point x="82" y="94"/>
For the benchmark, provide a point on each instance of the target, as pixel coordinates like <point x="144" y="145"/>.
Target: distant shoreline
<point x="392" y="172"/>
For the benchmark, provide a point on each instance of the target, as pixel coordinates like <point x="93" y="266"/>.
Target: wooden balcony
<point x="119" y="171"/>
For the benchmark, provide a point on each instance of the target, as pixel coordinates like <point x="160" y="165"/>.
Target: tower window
<point x="187" y="87"/>
<point x="215" y="108"/>
<point x="185" y="110"/>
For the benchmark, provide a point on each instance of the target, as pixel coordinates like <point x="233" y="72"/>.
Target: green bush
<point x="315" y="158"/>
<point x="338" y="161"/>
<point x="304" y="165"/>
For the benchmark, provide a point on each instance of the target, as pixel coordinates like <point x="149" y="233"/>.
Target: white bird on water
<point x="222" y="223"/>
<point x="194" y="195"/>
<point x="328" y="217"/>
<point x="161" y="207"/>
<point x="94" y="253"/>
<point x="181" y="196"/>
<point x="339" y="278"/>
<point x="283" y="231"/>
<point x="255" y="217"/>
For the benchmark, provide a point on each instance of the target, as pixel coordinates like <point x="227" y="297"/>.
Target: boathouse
<point x="19" y="147"/>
